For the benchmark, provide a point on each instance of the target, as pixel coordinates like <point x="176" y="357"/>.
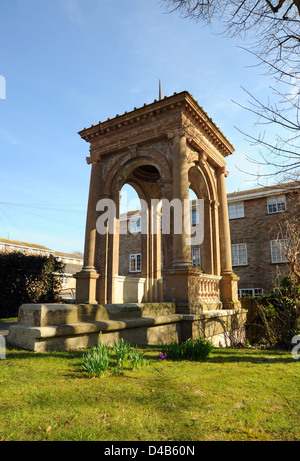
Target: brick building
<point x="258" y="246"/>
<point x="73" y="262"/>
<point x="258" y="251"/>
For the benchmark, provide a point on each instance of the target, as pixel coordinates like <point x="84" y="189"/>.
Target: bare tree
<point x="272" y="31"/>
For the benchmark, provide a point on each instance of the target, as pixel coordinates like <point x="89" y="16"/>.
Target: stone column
<point x="216" y="237"/>
<point x="156" y="252"/>
<point x="228" y="284"/>
<point x="181" y="280"/>
<point x="87" y="277"/>
<point x="207" y="256"/>
<point x="145" y="250"/>
<point x="181" y="249"/>
<point x="167" y="239"/>
<point x="226" y="263"/>
<point x="113" y="254"/>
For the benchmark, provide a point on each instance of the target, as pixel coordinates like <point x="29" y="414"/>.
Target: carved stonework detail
<point x="224" y="171"/>
<point x="214" y="204"/>
<point x="202" y="158"/>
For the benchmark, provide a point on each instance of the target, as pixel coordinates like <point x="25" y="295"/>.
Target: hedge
<point x="27" y="279"/>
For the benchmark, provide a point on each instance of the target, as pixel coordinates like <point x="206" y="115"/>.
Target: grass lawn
<point x="236" y="394"/>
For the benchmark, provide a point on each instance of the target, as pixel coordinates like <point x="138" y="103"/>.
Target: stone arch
<point x="122" y="170"/>
<point x="142" y="172"/>
<point x="203" y="185"/>
<point x="202" y="182"/>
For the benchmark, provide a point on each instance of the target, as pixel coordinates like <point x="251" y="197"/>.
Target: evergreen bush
<point x="28" y="279"/>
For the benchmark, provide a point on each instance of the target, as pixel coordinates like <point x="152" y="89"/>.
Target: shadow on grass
<point x="219" y="355"/>
<point x="256" y="356"/>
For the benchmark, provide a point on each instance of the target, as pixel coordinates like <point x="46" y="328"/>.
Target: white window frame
<point x="250" y="292"/>
<point x="196" y="259"/>
<point x="276" y="204"/>
<point x="194" y="217"/>
<point x="134" y="226"/>
<point x="239" y="254"/>
<point x="236" y="210"/>
<point x="137" y="258"/>
<point x="277" y="253"/>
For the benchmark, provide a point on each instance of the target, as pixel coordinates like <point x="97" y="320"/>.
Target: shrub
<point x="27" y="279"/>
<point x="195" y="350"/>
<point x="278" y="315"/>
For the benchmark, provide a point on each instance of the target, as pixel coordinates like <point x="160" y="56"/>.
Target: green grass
<point x="236" y="394"/>
<point x="10" y="319"/>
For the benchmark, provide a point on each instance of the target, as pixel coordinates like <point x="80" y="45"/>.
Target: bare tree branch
<point x="273" y="31"/>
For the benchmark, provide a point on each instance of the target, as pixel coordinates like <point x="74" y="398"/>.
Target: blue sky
<point x="68" y="64"/>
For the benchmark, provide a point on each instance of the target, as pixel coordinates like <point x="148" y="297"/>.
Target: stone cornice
<point x="201" y="119"/>
<point x="183" y="103"/>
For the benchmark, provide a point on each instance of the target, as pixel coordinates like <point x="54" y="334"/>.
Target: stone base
<point x="229" y="291"/>
<point x="223" y="327"/>
<point x="58" y="327"/>
<point x="183" y="287"/>
<point x="86" y="285"/>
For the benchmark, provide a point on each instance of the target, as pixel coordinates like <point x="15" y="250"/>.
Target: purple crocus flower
<point x="162" y="356"/>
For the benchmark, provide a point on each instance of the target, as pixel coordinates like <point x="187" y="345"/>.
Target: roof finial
<point x="159" y="90"/>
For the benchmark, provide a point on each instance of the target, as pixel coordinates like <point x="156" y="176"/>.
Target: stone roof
<point x="154" y="109"/>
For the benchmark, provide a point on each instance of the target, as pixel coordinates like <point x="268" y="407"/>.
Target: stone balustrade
<point x="209" y="290"/>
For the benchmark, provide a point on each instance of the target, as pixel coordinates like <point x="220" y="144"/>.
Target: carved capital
<point x="202" y="158"/>
<point x="178" y="132"/>
<point x="93" y="158"/>
<point x="222" y="170"/>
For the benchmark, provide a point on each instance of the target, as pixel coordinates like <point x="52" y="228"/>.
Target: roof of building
<point x="24" y="244"/>
<point x="67" y="255"/>
<point x="71" y="269"/>
<point x="40" y="247"/>
<point x="264" y="191"/>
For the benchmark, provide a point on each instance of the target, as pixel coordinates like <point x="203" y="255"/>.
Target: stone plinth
<point x="192" y="291"/>
<point x="50" y="327"/>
